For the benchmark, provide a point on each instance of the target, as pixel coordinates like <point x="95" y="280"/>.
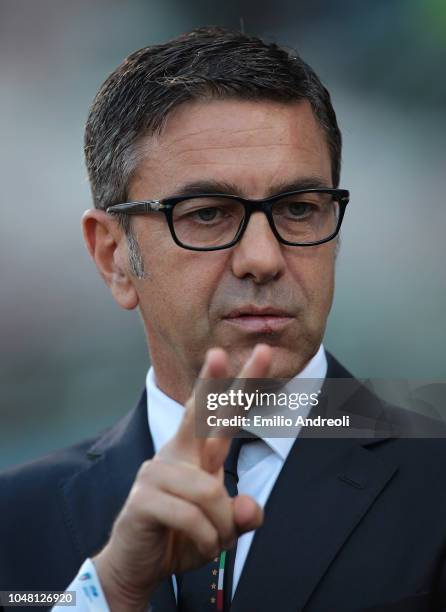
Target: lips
<point x="259" y="320"/>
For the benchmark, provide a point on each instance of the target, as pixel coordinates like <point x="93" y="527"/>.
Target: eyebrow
<point x="216" y="187"/>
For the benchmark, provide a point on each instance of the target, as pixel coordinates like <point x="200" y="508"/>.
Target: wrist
<point x="120" y="596"/>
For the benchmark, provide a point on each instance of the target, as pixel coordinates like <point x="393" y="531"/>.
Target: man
<point x="214" y="162"/>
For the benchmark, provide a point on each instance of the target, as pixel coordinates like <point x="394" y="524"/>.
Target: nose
<point x="258" y="255"/>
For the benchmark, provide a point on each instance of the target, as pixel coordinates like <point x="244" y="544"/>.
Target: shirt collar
<point x="164" y="414"/>
<point x="315" y="368"/>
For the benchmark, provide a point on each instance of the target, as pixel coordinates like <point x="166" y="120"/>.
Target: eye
<point x="295" y="210"/>
<point x="207" y="210"/>
<point x="207" y="214"/>
<point x="300" y="209"/>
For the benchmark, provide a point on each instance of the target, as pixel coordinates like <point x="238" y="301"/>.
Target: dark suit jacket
<point x="350" y="525"/>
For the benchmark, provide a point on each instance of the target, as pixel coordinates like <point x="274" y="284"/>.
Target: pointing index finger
<point x="257" y="366"/>
<point x="187" y="444"/>
<point x="210" y="453"/>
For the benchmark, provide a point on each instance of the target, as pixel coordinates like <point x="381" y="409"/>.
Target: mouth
<point x="259" y="320"/>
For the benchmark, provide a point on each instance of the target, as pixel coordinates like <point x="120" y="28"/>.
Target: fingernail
<point x="207" y="357"/>
<point x="210" y="351"/>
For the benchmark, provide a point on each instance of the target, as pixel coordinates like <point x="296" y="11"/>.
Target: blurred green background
<point x="71" y="361"/>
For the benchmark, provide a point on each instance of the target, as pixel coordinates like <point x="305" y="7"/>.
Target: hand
<point x="178" y="515"/>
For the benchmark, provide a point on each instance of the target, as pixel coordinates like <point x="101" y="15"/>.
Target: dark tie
<point x="197" y="589"/>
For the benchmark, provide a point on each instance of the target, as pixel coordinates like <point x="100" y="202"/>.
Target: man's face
<point x="188" y="297"/>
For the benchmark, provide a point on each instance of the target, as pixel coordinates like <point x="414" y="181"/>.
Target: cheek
<point x="323" y="285"/>
<point x="313" y="270"/>
<point x="182" y="284"/>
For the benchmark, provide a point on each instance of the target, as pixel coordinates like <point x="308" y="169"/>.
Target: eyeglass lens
<point x="215" y="221"/>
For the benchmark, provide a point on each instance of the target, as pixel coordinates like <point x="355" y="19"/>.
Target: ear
<point x="107" y="244"/>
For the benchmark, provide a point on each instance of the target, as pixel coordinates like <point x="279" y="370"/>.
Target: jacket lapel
<point x="324" y="489"/>
<point x="94" y="496"/>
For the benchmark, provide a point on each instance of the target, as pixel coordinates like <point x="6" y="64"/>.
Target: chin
<point x="289" y="369"/>
<point x="285" y="363"/>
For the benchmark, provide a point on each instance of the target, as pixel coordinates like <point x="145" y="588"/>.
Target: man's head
<point x="224" y="109"/>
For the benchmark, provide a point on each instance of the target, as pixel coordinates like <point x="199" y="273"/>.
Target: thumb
<point x="248" y="515"/>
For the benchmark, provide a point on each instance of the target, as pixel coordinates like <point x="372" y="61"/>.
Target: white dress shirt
<point x="258" y="467"/>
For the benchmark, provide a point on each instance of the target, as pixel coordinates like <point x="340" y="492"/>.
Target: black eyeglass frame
<point x="342" y="196"/>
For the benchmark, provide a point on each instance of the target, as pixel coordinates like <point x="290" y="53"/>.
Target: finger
<point x="248" y="515"/>
<point x="186" y="446"/>
<point x="196" y="486"/>
<point x="213" y="455"/>
<point x="210" y="454"/>
<point x="174" y="513"/>
<point x="215" y="366"/>
<point x="258" y="364"/>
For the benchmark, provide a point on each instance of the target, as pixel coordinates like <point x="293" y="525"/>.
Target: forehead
<point x="256" y="146"/>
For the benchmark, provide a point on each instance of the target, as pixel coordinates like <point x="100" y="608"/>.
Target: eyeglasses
<point x="210" y="221"/>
